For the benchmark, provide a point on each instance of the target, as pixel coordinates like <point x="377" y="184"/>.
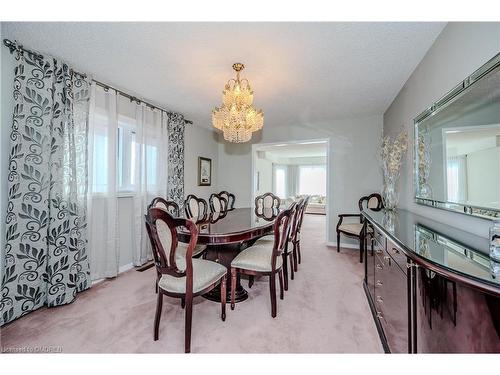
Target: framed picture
<point x="204" y="171"/>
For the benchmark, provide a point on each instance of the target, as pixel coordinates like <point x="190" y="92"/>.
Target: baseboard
<point x="125" y="268"/>
<point x="344" y="245"/>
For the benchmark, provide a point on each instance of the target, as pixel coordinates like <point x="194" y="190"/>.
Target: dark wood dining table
<point x="227" y="234"/>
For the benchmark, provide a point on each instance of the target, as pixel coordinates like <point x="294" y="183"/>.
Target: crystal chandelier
<point x="237" y="118"/>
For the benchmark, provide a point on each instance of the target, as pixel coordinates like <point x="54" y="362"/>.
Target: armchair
<point x="355" y="229"/>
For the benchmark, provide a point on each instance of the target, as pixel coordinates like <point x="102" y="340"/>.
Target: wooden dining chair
<point x="170" y="206"/>
<point x="182" y="277"/>
<point x="230" y="197"/>
<point x="267" y="200"/>
<point x="355" y="229"/>
<point x="295" y="238"/>
<point x="264" y="259"/>
<point x="196" y="208"/>
<point x="218" y="203"/>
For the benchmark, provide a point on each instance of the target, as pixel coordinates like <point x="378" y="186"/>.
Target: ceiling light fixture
<point x="237" y="118"/>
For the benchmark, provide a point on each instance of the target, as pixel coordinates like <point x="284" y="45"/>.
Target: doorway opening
<point x="292" y="170"/>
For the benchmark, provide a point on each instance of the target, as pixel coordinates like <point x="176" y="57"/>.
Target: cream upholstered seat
<point x="205" y="273"/>
<point x="354" y="228"/>
<point x="257" y="258"/>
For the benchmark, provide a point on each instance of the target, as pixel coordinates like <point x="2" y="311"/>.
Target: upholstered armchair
<point x="354" y="229"/>
<point x="181" y="275"/>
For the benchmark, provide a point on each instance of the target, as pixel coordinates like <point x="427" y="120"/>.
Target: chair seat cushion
<point x="182" y="250"/>
<point x="205" y="273"/>
<point x="354" y="228"/>
<point x="257" y="257"/>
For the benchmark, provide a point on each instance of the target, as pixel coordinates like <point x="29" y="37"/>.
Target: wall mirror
<point x="457" y="147"/>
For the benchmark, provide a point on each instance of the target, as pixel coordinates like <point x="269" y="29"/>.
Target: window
<point x="127" y="155"/>
<point x="312" y="180"/>
<point x="280" y="181"/>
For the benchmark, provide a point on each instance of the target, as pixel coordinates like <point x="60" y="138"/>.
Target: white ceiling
<point x="300" y="72"/>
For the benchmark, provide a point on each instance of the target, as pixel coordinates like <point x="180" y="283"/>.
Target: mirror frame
<point x="457" y="91"/>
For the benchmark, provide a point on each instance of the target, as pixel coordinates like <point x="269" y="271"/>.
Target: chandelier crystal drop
<point x="237" y="118"/>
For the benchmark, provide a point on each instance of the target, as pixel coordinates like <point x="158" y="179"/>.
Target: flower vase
<point x="389" y="194"/>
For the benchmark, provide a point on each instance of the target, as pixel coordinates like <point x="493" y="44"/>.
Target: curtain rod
<point x="12" y="47"/>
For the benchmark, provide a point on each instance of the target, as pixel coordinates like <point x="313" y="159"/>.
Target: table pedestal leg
<point x="224" y="254"/>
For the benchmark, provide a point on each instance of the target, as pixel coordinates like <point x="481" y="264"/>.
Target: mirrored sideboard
<point x="431" y="287"/>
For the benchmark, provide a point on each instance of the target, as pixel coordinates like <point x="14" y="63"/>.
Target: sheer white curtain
<point x="102" y="202"/>
<point x="151" y="176"/>
<point x="129" y="144"/>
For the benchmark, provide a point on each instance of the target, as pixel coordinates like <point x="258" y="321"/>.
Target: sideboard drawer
<point x="397" y="254"/>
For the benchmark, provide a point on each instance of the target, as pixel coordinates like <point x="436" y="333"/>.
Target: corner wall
<point x="460" y="49"/>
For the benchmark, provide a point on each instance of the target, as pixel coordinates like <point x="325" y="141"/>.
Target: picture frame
<point x="204" y="171"/>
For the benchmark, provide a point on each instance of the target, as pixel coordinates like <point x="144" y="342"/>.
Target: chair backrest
<point x="281" y="230"/>
<point x="372" y="201"/>
<point x="218" y="203"/>
<point x="267" y="200"/>
<point x="297" y="217"/>
<point x="196" y="208"/>
<point x="170" y="206"/>
<point x="162" y="232"/>
<point x="230" y="197"/>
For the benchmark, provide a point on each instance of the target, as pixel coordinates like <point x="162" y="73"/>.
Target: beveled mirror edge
<point x="437" y="106"/>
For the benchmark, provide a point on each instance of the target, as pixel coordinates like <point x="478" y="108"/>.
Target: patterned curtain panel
<point x="175" y="185"/>
<point x="46" y="241"/>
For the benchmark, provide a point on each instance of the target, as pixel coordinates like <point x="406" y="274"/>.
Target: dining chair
<point x="355" y="229"/>
<point x="264" y="259"/>
<point x="170" y="206"/>
<point x="295" y="238"/>
<point x="196" y="208"/>
<point x="182" y="277"/>
<point x="288" y="254"/>
<point x="267" y="200"/>
<point x="218" y="203"/>
<point x="230" y="197"/>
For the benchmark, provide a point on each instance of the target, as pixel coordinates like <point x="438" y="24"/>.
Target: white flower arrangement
<point x="392" y="154"/>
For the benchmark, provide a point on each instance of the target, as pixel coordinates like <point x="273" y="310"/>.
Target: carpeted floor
<point x="324" y="311"/>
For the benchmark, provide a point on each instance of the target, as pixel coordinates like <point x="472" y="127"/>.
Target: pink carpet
<point x="324" y="311"/>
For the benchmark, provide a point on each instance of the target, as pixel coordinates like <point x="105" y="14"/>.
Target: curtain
<point x="175" y="186"/>
<point x="45" y="258"/>
<point x="130" y="143"/>
<point x="102" y="202"/>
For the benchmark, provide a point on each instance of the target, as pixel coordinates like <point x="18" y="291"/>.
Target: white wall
<point x="459" y="50"/>
<point x="265" y="169"/>
<point x="353" y="161"/>
<point x="200" y="142"/>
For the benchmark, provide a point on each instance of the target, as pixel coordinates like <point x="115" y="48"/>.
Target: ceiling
<point x="300" y="72"/>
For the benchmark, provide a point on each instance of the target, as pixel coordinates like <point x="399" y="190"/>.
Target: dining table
<point x="226" y="234"/>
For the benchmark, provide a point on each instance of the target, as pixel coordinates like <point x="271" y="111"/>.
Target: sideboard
<point x="430" y="286"/>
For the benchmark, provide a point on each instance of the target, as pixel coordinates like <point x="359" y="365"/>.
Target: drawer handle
<point x="379" y="315"/>
<point x="396" y="251"/>
<point x="378" y="266"/>
<point x="387" y="258"/>
<point x="380" y="299"/>
<point x="379" y="283"/>
<point x="378" y="251"/>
